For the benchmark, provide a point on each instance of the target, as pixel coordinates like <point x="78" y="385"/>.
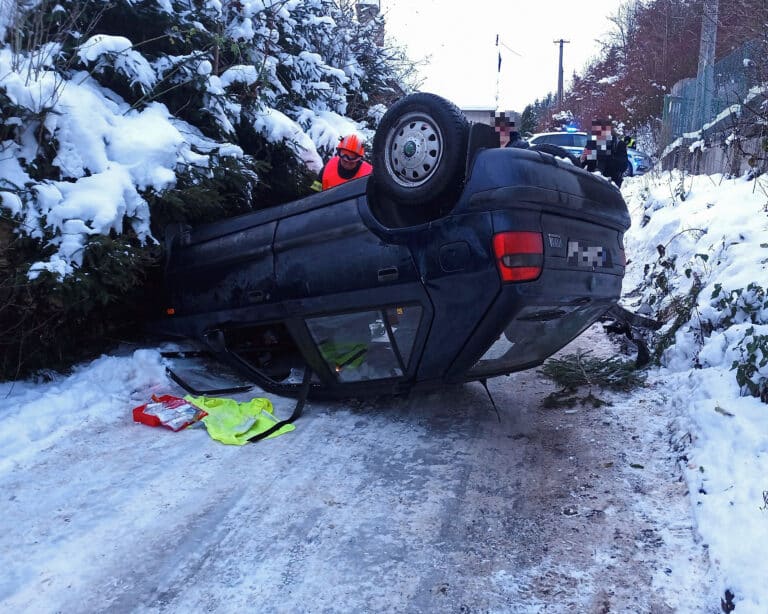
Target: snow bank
<point x="712" y="231"/>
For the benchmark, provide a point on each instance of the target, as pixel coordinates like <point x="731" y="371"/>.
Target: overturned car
<point x="456" y="260"/>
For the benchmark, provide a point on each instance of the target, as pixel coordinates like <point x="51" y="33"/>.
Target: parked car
<point x="456" y="260"/>
<point x="639" y="162"/>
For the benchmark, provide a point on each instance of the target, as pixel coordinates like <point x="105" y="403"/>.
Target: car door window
<point x="561" y="140"/>
<point x="367" y="345"/>
<point x="268" y="349"/>
<point x="404" y="322"/>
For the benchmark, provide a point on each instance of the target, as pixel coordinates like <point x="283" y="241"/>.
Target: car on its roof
<point x="455" y="260"/>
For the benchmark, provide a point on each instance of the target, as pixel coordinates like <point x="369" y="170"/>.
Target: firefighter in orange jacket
<point x="347" y="164"/>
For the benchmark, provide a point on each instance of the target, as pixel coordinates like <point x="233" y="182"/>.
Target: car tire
<point x="558" y="152"/>
<point x="630" y="172"/>
<point x="419" y="154"/>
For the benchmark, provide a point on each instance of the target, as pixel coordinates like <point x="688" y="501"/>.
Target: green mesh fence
<point x="734" y="76"/>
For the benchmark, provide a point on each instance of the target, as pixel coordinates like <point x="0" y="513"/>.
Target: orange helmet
<point x="352" y="144"/>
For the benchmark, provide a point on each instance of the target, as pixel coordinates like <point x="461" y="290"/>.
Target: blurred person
<point x="509" y="136"/>
<point x="606" y="152"/>
<point x="501" y="126"/>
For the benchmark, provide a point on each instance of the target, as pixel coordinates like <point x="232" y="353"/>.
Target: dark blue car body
<point x="527" y="257"/>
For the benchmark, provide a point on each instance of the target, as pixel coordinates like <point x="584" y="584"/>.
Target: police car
<point x="639" y="162"/>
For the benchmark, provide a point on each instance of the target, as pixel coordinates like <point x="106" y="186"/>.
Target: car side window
<point x="561" y="140"/>
<point x="404" y="322"/>
<point x="367" y="345"/>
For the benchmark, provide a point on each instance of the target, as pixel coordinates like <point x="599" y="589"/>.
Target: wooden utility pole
<point x="560" y="42"/>
<point x="705" y="76"/>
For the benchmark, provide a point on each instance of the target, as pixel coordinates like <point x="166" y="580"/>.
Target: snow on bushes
<point x="92" y="141"/>
<point x="702" y="251"/>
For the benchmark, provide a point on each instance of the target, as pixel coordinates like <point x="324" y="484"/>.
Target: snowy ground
<point x="654" y="504"/>
<point x="430" y="504"/>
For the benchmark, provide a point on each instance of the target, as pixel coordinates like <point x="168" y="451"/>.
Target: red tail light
<point x="519" y="255"/>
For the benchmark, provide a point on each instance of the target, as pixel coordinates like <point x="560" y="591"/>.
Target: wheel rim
<point x="414" y="148"/>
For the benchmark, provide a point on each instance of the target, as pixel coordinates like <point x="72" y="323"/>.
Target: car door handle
<point x="388" y="274"/>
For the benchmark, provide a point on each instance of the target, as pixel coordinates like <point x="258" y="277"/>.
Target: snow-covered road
<point x="427" y="504"/>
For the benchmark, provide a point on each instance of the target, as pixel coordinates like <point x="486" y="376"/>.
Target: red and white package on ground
<point x="171" y="412"/>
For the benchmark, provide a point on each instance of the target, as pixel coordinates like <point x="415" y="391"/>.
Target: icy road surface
<point x="427" y="504"/>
